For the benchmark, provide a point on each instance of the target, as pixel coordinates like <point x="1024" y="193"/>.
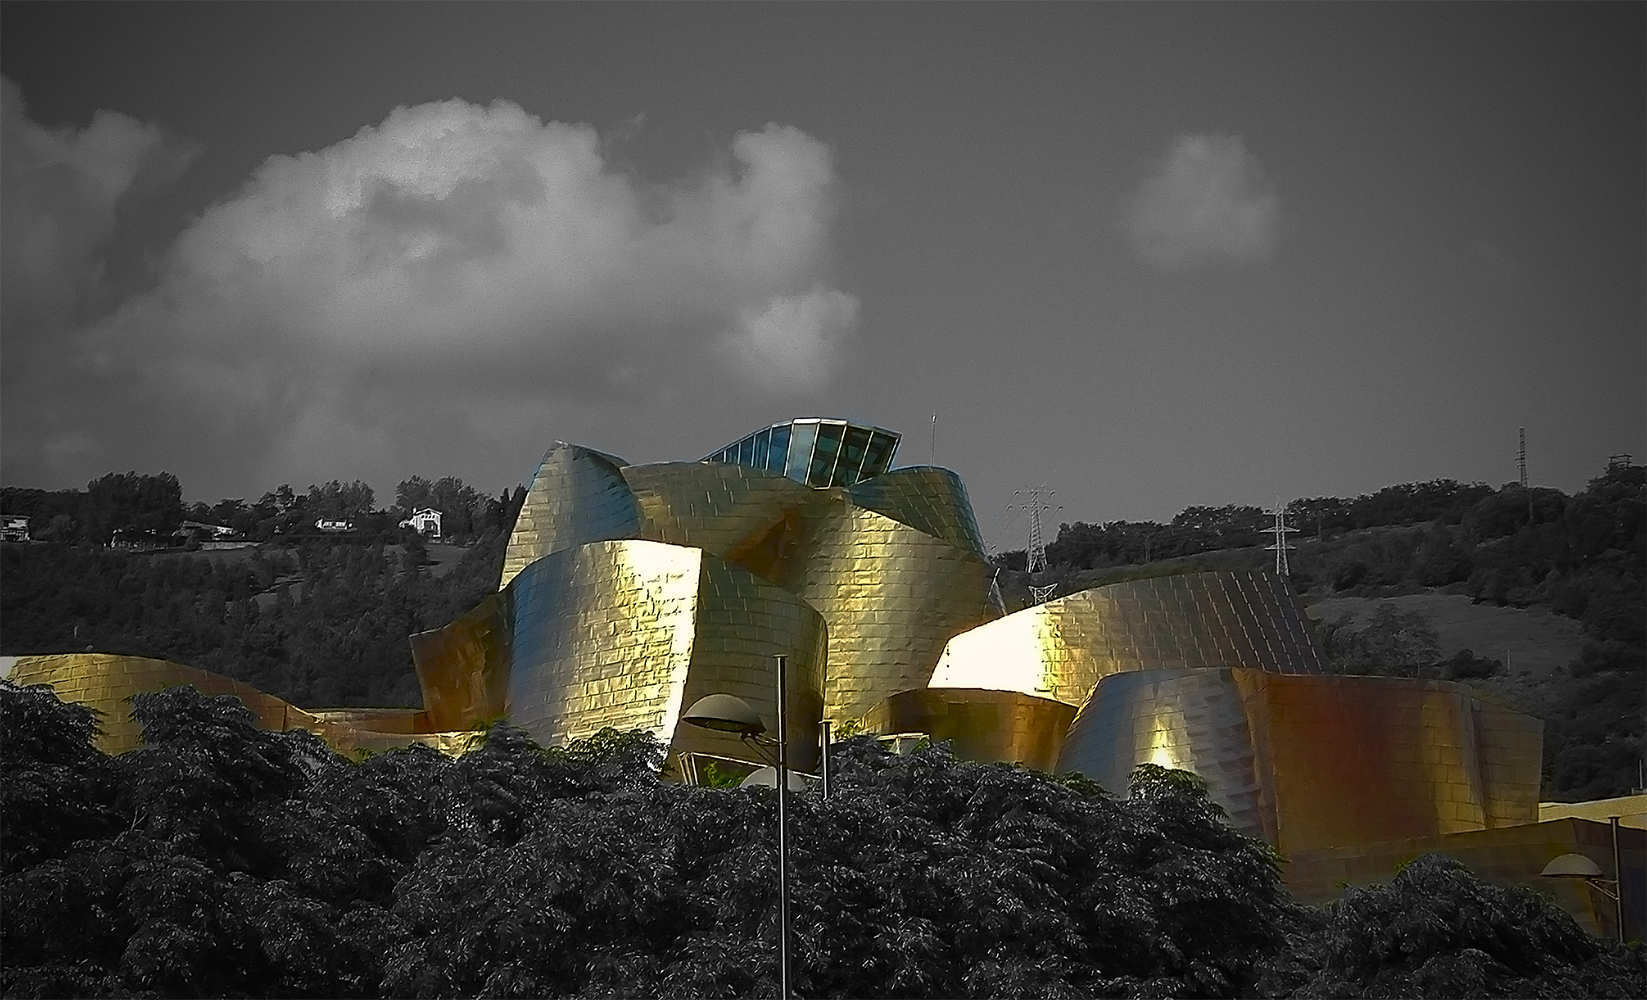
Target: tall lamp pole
<point x="726" y="713"/>
<point x="783" y="830"/>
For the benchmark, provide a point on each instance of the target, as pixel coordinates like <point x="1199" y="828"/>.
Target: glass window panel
<point x="825" y="453"/>
<point x="779" y="450"/>
<point x="877" y="455"/>
<point x="746" y="451"/>
<point x="763" y="442"/>
<point x="852" y="455"/>
<point x="801" y="439"/>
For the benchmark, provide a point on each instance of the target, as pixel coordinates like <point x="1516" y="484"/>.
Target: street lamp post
<point x="1581" y="867"/>
<point x="729" y="714"/>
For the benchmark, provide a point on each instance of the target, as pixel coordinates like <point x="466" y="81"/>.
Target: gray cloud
<point x="1207" y="200"/>
<point x="454" y="251"/>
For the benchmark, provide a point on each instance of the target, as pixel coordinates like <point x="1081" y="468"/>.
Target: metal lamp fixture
<point x="1581" y="867"/>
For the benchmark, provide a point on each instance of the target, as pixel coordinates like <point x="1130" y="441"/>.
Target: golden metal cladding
<point x="1309" y="761"/>
<point x="1003" y="726"/>
<point x="1063" y="648"/>
<point x="463" y="667"/>
<point x="1193" y="720"/>
<point x="892" y="594"/>
<point x="577" y="495"/>
<point x="626" y="633"/>
<point x="926" y="498"/>
<point x="106" y="682"/>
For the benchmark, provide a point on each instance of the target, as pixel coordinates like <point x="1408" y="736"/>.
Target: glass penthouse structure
<point x="814" y="451"/>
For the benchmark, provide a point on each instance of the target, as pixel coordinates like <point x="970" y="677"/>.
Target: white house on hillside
<point x="426" y="520"/>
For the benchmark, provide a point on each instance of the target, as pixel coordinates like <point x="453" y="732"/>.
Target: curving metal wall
<point x="1000" y="726"/>
<point x="891" y="593"/>
<point x="1311" y="761"/>
<point x="577" y="495"/>
<point x="927" y="499"/>
<point x="1063" y="648"/>
<point x="627" y="633"/>
<point x="106" y="682"/>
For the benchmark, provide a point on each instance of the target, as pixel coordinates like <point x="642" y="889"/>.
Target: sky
<point x="1144" y="255"/>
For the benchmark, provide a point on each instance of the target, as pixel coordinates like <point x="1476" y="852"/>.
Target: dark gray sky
<point x="1149" y="255"/>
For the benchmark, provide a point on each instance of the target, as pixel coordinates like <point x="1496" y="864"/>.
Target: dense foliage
<point x="218" y="859"/>
<point x="324" y="623"/>
<point x="146" y="510"/>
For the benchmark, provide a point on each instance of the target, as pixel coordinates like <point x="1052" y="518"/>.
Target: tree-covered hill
<point x="222" y="860"/>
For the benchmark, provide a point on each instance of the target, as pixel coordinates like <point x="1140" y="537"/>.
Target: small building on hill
<point x="14" y="528"/>
<point x="425" y="520"/>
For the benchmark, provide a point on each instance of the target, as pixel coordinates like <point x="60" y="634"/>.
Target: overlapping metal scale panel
<point x="1062" y="648"/>
<point x="577" y="495"/>
<point x="627" y="633"/>
<point x="1310" y="761"/>
<point x="1002" y="726"/>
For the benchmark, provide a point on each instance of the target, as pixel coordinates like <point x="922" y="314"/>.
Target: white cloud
<point x="795" y="340"/>
<point x="1206" y="201"/>
<point x="453" y="251"/>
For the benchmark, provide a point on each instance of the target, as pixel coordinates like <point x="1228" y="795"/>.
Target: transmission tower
<point x="1034" y="501"/>
<point x="1521" y="468"/>
<point x="1030" y="502"/>
<point x="1280" y="529"/>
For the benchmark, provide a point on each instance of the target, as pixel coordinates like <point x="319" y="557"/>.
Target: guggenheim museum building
<point x="630" y="591"/>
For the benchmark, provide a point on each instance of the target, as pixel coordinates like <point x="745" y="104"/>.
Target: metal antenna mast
<point x="1280" y="529"/>
<point x="1031" y="502"/>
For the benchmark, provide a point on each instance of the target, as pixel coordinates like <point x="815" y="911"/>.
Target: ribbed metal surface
<point x="1309" y="761"/>
<point x="1062" y="648"/>
<point x="1000" y="726"/>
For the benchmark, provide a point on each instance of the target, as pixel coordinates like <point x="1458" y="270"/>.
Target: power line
<point x="1031" y="502"/>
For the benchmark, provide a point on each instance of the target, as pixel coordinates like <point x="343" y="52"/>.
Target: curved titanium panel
<point x="104" y="681"/>
<point x="463" y="667"/>
<point x="577" y="495"/>
<point x="892" y="596"/>
<point x="736" y="513"/>
<point x="1359" y="759"/>
<point x="1063" y="648"/>
<point x="1311" y="761"/>
<point x="890" y="593"/>
<point x="924" y="497"/>
<point x="626" y="633"/>
<point x="1193" y="720"/>
<point x="1000" y="726"/>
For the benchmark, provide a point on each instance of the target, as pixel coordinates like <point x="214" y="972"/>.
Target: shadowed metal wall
<point x="1061" y="649"/>
<point x="625" y="633"/>
<point x="1308" y="761"/>
<point x="981" y="725"/>
<point x="105" y="682"/>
